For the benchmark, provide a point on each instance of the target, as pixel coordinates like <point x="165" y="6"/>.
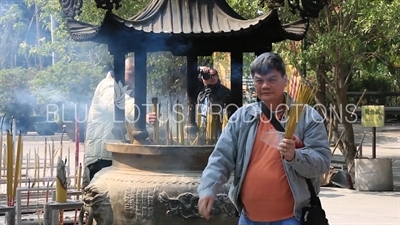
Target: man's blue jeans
<point x="244" y="220"/>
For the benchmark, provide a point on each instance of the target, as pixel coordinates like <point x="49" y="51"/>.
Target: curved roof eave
<point x="190" y="17"/>
<point x="226" y="26"/>
<point x="297" y="30"/>
<point x="80" y="31"/>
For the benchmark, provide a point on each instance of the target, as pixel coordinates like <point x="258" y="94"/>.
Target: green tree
<point x="12" y="31"/>
<point x="341" y="43"/>
<point x="15" y="96"/>
<point x="67" y="82"/>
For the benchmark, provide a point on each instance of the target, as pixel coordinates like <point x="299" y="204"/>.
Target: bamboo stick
<point x="35" y="164"/>
<point x="20" y="165"/>
<point x="10" y="158"/>
<point x="38" y="168"/>
<point x="28" y="162"/>
<point x="34" y="170"/>
<point x="52" y="155"/>
<point x="1" y="160"/>
<point x="45" y="160"/>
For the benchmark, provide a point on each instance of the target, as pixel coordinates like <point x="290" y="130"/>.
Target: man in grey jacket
<point x="269" y="186"/>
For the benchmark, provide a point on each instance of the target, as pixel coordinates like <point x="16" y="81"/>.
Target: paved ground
<point x="347" y="207"/>
<point x="343" y="206"/>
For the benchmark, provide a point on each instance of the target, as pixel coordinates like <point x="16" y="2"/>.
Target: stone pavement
<point x="347" y="207"/>
<point x="350" y="207"/>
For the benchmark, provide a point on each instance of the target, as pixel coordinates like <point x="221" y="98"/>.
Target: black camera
<point x="203" y="75"/>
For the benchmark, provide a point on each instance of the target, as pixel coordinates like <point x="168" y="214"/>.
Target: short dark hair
<point x="266" y="62"/>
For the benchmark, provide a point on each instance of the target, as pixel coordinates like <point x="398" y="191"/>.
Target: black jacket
<point x="217" y="94"/>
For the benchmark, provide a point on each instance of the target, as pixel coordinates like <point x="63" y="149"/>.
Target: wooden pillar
<point x="237" y="78"/>
<point x="192" y="87"/>
<point x="140" y="133"/>
<point x="119" y="129"/>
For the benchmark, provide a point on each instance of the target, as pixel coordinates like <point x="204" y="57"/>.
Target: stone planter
<point x="45" y="128"/>
<point x="373" y="175"/>
<point x="35" y="119"/>
<point x="153" y="185"/>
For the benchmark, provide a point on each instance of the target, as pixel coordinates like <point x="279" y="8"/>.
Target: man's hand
<point x="205" y="69"/>
<point x="151" y="118"/>
<point x="205" y="205"/>
<point x="287" y="147"/>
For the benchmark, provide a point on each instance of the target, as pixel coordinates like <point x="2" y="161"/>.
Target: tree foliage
<point x="67" y="82"/>
<point x="351" y="40"/>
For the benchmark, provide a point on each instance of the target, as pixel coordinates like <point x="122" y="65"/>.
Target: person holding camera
<point x="212" y="92"/>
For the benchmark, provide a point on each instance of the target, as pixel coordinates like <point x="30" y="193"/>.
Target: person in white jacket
<point x="101" y="119"/>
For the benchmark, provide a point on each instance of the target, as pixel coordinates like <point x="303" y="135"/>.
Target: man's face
<point x="213" y="78"/>
<point x="270" y="87"/>
<point x="129" y="77"/>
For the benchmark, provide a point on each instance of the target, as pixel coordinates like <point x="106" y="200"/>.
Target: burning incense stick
<point x="79" y="178"/>
<point x="155" y="110"/>
<point x="176" y="120"/>
<point x="167" y="133"/>
<point x="180" y="122"/>
<point x="224" y="118"/>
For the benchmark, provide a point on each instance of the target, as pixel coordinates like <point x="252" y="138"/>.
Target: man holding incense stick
<point x="271" y="173"/>
<point x="100" y="119"/>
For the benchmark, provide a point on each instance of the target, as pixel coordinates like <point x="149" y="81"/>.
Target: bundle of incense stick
<point x="304" y="93"/>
